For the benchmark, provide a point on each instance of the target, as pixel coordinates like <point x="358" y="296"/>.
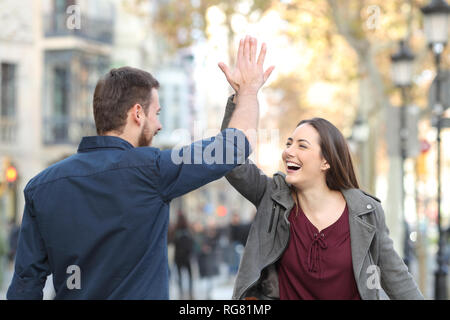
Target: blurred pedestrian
<point x="184" y="245"/>
<point x="208" y="258"/>
<point x="238" y="233"/>
<point x="12" y="242"/>
<point x="3" y="255"/>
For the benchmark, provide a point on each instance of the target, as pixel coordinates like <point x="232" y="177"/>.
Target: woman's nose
<point x="288" y="152"/>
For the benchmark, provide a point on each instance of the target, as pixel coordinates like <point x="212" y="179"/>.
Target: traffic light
<point x="11" y="174"/>
<point x="8" y="176"/>
<point x="421" y="167"/>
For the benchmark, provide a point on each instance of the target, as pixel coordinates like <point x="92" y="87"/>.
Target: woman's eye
<point x="303" y="146"/>
<point x="288" y="145"/>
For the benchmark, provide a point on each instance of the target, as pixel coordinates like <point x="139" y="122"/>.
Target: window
<point x="69" y="80"/>
<point x="59" y="15"/>
<point x="8" y="91"/>
<point x="60" y="102"/>
<point x="162" y="103"/>
<point x="8" y="102"/>
<point x="62" y="5"/>
<point x="176" y="106"/>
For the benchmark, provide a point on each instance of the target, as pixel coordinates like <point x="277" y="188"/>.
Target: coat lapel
<point x="361" y="232"/>
<point x="282" y="193"/>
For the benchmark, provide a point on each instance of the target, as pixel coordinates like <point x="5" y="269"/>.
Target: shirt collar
<point x="96" y="142"/>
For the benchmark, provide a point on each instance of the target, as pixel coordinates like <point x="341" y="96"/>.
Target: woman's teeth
<point x="293" y="166"/>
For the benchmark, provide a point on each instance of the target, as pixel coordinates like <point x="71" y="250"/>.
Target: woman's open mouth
<point x="292" y="166"/>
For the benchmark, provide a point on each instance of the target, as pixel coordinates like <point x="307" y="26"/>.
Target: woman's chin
<point x="294" y="179"/>
<point x="290" y="179"/>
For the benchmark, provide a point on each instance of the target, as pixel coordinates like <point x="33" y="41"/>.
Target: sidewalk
<point x="219" y="287"/>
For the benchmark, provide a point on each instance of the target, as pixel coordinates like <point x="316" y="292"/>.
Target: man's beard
<point x="143" y="140"/>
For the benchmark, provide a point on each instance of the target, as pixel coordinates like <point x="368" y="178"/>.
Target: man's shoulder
<point x="51" y="173"/>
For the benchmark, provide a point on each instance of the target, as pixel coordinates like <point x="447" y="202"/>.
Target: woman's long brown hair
<point x="335" y="151"/>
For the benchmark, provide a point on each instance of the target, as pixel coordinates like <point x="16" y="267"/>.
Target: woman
<point x="316" y="235"/>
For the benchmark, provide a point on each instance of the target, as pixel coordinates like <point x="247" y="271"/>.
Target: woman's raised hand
<point x="248" y="75"/>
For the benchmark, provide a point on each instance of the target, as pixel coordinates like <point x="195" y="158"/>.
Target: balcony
<point x="66" y="130"/>
<point x="95" y="29"/>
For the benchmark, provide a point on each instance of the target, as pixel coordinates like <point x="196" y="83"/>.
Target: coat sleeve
<point x="31" y="266"/>
<point x="396" y="280"/>
<point x="246" y="178"/>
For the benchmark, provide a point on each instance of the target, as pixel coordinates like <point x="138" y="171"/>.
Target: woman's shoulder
<point x="361" y="201"/>
<point x="370" y="195"/>
<point x="359" y="194"/>
<point x="279" y="179"/>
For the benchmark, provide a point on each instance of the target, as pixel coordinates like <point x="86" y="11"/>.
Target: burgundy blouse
<point x="317" y="265"/>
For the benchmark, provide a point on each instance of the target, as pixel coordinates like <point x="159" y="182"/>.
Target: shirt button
<point x="369" y="206"/>
<point x="322" y="235"/>
<point x="315" y="234"/>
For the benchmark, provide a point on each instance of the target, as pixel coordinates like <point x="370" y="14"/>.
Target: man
<point x="98" y="220"/>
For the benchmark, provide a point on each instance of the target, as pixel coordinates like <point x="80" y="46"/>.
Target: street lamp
<point x="436" y="22"/>
<point x="360" y="130"/>
<point x="359" y="136"/>
<point x="436" y="16"/>
<point x="402" y="73"/>
<point x="402" y="66"/>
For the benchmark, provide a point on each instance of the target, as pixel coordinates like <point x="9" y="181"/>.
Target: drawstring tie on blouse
<point x="314" y="251"/>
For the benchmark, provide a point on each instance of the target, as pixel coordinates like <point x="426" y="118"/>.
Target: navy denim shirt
<point x="102" y="215"/>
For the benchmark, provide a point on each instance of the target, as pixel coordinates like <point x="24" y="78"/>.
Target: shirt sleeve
<point x="188" y="168"/>
<point x="31" y="266"/>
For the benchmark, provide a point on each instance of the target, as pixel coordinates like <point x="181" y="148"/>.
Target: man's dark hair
<point x="116" y="93"/>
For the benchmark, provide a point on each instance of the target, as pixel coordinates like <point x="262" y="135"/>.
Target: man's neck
<point x="123" y="136"/>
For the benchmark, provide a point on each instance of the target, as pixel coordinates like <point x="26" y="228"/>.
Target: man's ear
<point x="137" y="113"/>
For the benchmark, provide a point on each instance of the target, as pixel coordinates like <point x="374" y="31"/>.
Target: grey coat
<point x="376" y="265"/>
